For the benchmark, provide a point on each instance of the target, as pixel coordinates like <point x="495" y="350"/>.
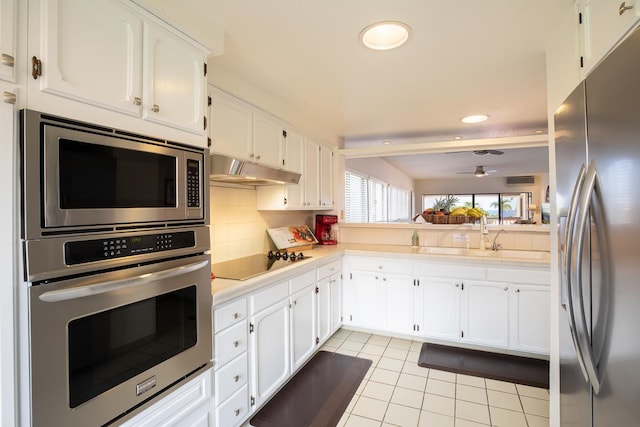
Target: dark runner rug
<point x="496" y="366"/>
<point x="317" y="395"/>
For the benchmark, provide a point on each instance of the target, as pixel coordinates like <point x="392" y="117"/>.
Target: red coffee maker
<point x="323" y="229"/>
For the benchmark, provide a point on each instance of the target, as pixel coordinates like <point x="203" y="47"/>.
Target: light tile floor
<point x="397" y="392"/>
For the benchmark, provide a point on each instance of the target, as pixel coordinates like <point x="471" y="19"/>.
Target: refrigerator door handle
<point x="591" y="192"/>
<point x="566" y="276"/>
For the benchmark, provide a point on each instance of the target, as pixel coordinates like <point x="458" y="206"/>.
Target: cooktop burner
<point x="254" y="265"/>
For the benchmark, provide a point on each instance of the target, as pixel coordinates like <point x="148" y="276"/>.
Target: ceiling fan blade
<point x="487" y="152"/>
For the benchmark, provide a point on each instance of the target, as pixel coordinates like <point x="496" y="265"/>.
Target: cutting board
<point x="293" y="236"/>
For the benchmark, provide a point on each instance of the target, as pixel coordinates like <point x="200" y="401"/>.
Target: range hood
<point x="234" y="171"/>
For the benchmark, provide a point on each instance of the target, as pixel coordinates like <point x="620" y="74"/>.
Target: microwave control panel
<point x="193" y="183"/>
<point x="83" y="251"/>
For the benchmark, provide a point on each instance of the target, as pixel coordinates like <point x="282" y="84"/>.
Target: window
<point x="371" y="200"/>
<point x="500" y="208"/>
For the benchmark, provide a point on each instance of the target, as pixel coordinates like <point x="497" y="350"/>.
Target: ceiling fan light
<point x="385" y="35"/>
<point x="479" y="171"/>
<point x="476" y="118"/>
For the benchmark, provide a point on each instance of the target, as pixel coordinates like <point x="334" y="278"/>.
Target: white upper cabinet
<point x="603" y="24"/>
<point x="93" y="58"/>
<point x="176" y="85"/>
<point x="326" y="177"/>
<point x="312" y="174"/>
<point x="7" y="40"/>
<point x="268" y="141"/>
<point x="231" y="129"/>
<point x="240" y="131"/>
<point x="91" y="52"/>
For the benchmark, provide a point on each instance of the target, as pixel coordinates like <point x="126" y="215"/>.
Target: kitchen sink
<point x="503" y="253"/>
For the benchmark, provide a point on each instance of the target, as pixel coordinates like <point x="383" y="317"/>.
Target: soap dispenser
<point x="483" y="232"/>
<point x="415" y="239"/>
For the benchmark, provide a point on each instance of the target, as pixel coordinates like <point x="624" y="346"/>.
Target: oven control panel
<point x="82" y="251"/>
<point x="193" y="183"/>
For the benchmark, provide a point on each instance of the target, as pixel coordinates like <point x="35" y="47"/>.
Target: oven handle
<point x="113" y="285"/>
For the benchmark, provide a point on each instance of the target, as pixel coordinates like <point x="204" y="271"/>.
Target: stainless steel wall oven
<point x="117" y="299"/>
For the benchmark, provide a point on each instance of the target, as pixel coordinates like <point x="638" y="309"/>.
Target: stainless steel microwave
<point x="81" y="177"/>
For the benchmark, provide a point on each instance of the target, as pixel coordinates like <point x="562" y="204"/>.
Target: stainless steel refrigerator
<point x="597" y="132"/>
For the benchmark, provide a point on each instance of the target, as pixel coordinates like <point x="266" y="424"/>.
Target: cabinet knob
<point x="9" y="98"/>
<point x="517" y="290"/>
<point x="457" y="285"/>
<point x="623" y="8"/>
<point x="506" y="288"/>
<point x="379" y="267"/>
<point x="384" y="279"/>
<point x="155" y="108"/>
<point x="236" y="378"/>
<point x="8" y="60"/>
<point x="237" y="412"/>
<point x="252" y="155"/>
<point x="236" y="343"/>
<point x="236" y="315"/>
<point x="258" y="157"/>
<point x="137" y="100"/>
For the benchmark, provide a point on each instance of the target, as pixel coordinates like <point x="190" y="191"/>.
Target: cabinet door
<point x="486" y="313"/>
<point x="312" y="174"/>
<point x="603" y="26"/>
<point x="323" y="297"/>
<point x="295" y="162"/>
<point x="530" y="318"/>
<point x="269" y="350"/>
<point x="303" y="326"/>
<point x="336" y="302"/>
<point x="8" y="19"/>
<point x="441" y="308"/>
<point x="268" y="141"/>
<point x="110" y="74"/>
<point x="175" y="89"/>
<point x="326" y="177"/>
<point x="231" y="128"/>
<point x="364" y="304"/>
<point x="398" y="295"/>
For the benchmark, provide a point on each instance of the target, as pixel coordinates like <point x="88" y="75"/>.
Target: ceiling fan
<point x="479" y="172"/>
<point x="479" y="152"/>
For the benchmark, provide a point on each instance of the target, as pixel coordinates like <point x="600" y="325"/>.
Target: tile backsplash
<point x="238" y="229"/>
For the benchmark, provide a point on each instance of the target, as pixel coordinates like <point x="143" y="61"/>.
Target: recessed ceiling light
<point x="477" y="118"/>
<point x="457" y="138"/>
<point x="385" y="35"/>
<point x="538" y="132"/>
<point x="387" y="142"/>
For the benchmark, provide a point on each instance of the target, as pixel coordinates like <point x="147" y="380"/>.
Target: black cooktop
<point x="254" y="265"/>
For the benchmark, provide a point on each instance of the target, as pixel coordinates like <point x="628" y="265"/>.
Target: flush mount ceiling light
<point x="477" y="118"/>
<point x="387" y="142"/>
<point x="385" y="35"/>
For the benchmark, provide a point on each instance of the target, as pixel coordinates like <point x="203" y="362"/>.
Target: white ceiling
<point x="464" y="57"/>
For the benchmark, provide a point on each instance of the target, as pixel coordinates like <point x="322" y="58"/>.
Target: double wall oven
<point x="116" y="302"/>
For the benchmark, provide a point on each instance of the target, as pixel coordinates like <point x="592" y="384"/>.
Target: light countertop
<point x="226" y="289"/>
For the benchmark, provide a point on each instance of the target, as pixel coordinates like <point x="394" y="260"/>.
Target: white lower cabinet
<point x="336" y="302"/>
<point x="399" y="293"/>
<point x="530" y="318"/>
<point x="440" y="308"/>
<point x="362" y="299"/>
<point x="303" y="325"/>
<point x="269" y="337"/>
<point x="485" y="313"/>
<point x="188" y="406"/>
<point x="329" y="278"/>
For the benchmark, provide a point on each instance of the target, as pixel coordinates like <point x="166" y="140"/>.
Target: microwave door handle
<point x="582" y="332"/>
<point x="113" y="285"/>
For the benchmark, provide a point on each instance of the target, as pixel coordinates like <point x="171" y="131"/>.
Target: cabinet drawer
<point x="234" y="410"/>
<point x="302" y="281"/>
<point x="517" y="275"/>
<point x="270" y="296"/>
<point x="230" y="343"/>
<point x="329" y="269"/>
<point x="382" y="265"/>
<point x="229" y="314"/>
<point x="231" y="378"/>
<point x="455" y="271"/>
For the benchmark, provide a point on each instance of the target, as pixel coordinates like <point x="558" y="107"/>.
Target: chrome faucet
<point x="496" y="246"/>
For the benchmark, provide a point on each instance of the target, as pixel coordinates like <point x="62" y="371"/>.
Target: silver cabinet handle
<point x="9" y="98"/>
<point x="155" y="108"/>
<point x="623" y="8"/>
<point x="258" y="156"/>
<point x="137" y="100"/>
<point x="8" y="60"/>
<point x="236" y="378"/>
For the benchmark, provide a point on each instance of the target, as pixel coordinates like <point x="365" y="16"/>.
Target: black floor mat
<point x="503" y="367"/>
<point x="317" y="395"/>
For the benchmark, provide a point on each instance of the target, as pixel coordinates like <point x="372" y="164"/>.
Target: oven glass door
<point x="102" y="344"/>
<point x="115" y="345"/>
